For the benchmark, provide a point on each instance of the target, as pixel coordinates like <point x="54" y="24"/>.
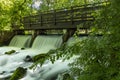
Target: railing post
<point x="24" y="22"/>
<point x="29" y="18"/>
<point x="85" y="17"/>
<point x="72" y="15"/>
<point x="41" y="19"/>
<point x="54" y="17"/>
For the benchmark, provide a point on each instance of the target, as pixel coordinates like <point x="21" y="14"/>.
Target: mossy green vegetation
<point x="12" y="11"/>
<point x="39" y="59"/>
<point x="18" y="74"/>
<point x="52" y="55"/>
<point x="23" y="48"/>
<point x="10" y="52"/>
<point x="67" y="77"/>
<point x="99" y="56"/>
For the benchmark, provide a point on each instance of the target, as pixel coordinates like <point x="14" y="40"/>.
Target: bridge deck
<point x="67" y="18"/>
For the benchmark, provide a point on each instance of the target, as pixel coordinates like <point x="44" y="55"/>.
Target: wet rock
<point x="40" y="57"/>
<point x="2" y="72"/>
<point x="67" y="77"/>
<point x="10" y="52"/>
<point x="22" y="48"/>
<point x="18" y="73"/>
<point x="28" y="59"/>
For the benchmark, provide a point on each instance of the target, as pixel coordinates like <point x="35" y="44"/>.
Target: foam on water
<point x="48" y="71"/>
<point x="9" y="63"/>
<point x="17" y="42"/>
<point x="7" y="48"/>
<point x="47" y="41"/>
<point x="20" y="41"/>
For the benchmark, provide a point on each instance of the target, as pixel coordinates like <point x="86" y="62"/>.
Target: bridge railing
<point x="63" y="18"/>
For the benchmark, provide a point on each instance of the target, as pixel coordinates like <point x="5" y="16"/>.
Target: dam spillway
<point x="41" y="44"/>
<point x="16" y="43"/>
<point x="20" y="41"/>
<point x="44" y="41"/>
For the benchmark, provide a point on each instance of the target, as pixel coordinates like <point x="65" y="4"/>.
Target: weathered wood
<point x="62" y="18"/>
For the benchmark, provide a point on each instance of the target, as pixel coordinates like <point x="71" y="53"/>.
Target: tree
<point x="60" y="4"/>
<point x="12" y="11"/>
<point x="100" y="56"/>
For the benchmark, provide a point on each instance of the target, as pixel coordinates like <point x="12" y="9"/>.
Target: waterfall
<point x="41" y="44"/>
<point x="17" y="42"/>
<point x="20" y="41"/>
<point x="46" y="41"/>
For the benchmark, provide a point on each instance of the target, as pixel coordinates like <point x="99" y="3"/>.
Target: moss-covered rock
<point x="67" y="77"/>
<point x="52" y="51"/>
<point x="39" y="59"/>
<point x="10" y="52"/>
<point x="18" y="74"/>
<point x="22" y="48"/>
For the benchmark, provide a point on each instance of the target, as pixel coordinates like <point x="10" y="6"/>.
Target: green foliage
<point x="11" y="11"/>
<point x="10" y="52"/>
<point x="39" y="59"/>
<point x="52" y="55"/>
<point x="96" y="61"/>
<point x="62" y="4"/>
<point x="67" y="77"/>
<point x="39" y="56"/>
<point x="99" y="56"/>
<point x="64" y="52"/>
<point x="18" y="74"/>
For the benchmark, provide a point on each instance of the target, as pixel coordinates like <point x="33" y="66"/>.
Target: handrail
<point x="63" y="18"/>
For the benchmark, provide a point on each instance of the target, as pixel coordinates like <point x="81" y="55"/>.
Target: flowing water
<point x="42" y="44"/>
<point x="17" y="42"/>
<point x="50" y="71"/>
<point x="47" y="41"/>
<point x="20" y="41"/>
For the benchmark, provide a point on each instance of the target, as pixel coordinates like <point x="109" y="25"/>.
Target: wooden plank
<point x="62" y="18"/>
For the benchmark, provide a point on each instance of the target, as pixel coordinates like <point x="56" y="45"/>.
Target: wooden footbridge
<point x="67" y="18"/>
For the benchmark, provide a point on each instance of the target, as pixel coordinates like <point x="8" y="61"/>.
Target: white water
<point x="7" y="48"/>
<point x="42" y="44"/>
<point x="49" y="70"/>
<point x="47" y="41"/>
<point x="20" y="41"/>
<point x="17" y="42"/>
